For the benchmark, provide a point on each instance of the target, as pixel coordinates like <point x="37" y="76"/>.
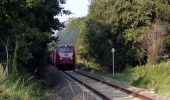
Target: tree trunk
<point x="6" y="69"/>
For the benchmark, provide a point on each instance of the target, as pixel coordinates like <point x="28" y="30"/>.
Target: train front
<point x="66" y="57"/>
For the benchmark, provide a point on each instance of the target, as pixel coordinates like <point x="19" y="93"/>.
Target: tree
<point x="70" y="34"/>
<point x="121" y="24"/>
<point x="115" y="24"/>
<point x="152" y="44"/>
<point x="27" y="23"/>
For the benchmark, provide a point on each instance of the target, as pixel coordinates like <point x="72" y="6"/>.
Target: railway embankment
<point x="151" y="79"/>
<point x="139" y="92"/>
<point x="60" y="87"/>
<point x="101" y="87"/>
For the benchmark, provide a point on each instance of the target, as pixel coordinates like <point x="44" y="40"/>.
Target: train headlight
<point x="60" y="58"/>
<point x="71" y="58"/>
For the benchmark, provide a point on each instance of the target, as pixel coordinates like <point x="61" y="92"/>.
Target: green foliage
<point x="151" y="77"/>
<point x="29" y="22"/>
<point x="14" y="61"/>
<point x="120" y="24"/>
<point x="25" y="27"/>
<point x="70" y="34"/>
<point x="146" y="76"/>
<point x="111" y="25"/>
<point x="25" y="87"/>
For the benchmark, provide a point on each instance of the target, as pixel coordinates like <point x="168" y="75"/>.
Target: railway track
<point x="103" y="89"/>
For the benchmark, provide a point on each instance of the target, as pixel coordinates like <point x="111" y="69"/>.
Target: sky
<point x="79" y="8"/>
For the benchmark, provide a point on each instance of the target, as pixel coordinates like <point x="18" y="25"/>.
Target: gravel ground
<point x="61" y="87"/>
<point x="112" y="93"/>
<point x="125" y="86"/>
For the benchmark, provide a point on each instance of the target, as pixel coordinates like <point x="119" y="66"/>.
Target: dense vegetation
<point x="26" y="87"/>
<point x="137" y="29"/>
<point x="152" y="78"/>
<point x="70" y="34"/>
<point x="25" y="30"/>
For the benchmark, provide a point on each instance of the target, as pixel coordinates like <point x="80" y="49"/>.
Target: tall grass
<point x="25" y="87"/>
<point x="155" y="77"/>
<point x="19" y="85"/>
<point x="151" y="77"/>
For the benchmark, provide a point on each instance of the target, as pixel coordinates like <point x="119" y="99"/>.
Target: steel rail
<point x="104" y="97"/>
<point x="114" y="86"/>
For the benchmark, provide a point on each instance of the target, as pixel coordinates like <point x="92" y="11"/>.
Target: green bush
<point x="122" y="25"/>
<point x="155" y="77"/>
<point x="148" y="77"/>
<point x="25" y="87"/>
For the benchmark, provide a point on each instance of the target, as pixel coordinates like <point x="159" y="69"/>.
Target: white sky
<point x="79" y="8"/>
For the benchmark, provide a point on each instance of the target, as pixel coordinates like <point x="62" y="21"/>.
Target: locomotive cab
<point x="64" y="57"/>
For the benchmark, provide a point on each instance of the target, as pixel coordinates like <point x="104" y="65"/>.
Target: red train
<point x="64" y="57"/>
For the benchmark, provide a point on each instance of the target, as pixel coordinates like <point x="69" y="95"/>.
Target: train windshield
<point x="62" y="49"/>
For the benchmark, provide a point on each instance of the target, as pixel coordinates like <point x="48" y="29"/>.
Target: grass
<point x="155" y="77"/>
<point x="25" y="87"/>
<point x="87" y="65"/>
